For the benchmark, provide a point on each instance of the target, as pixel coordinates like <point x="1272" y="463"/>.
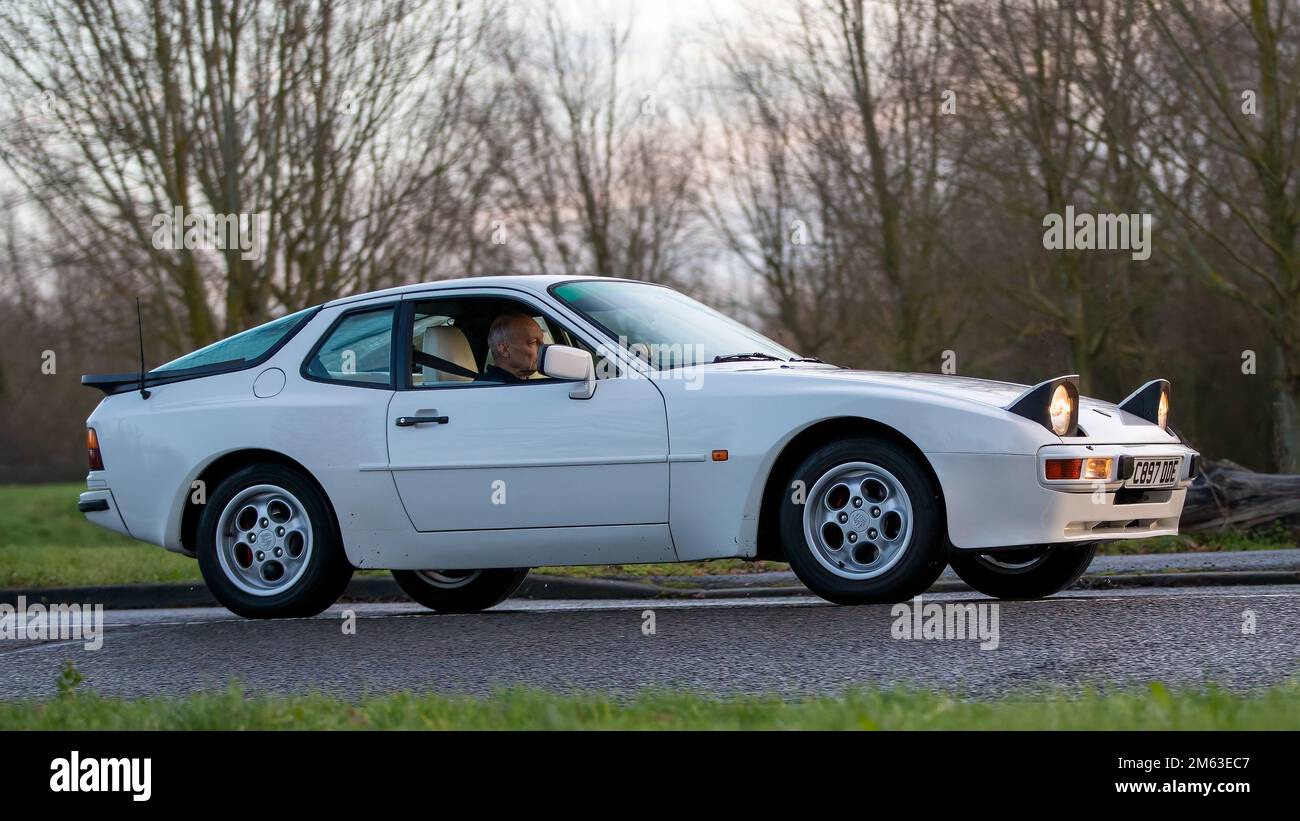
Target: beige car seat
<point x="446" y="342"/>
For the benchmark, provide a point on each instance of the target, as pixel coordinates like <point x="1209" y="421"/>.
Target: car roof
<point x="537" y="283"/>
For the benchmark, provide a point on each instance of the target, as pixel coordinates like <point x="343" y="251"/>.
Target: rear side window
<point x="358" y="350"/>
<point x="242" y="348"/>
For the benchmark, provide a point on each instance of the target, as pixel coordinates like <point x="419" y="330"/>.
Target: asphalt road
<point x="790" y="646"/>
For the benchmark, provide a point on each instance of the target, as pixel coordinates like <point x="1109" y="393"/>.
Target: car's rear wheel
<point x="1023" y="573"/>
<point x="460" y="591"/>
<point x="862" y="522"/>
<point x="268" y="546"/>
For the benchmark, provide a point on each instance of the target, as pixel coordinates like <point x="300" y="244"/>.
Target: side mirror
<point x="564" y="362"/>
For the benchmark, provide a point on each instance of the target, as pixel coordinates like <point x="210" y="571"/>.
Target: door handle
<point x="410" y="421"/>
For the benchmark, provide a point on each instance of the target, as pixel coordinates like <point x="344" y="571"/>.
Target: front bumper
<point x="1002" y="500"/>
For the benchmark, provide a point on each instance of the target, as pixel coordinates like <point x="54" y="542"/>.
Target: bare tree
<point x="1231" y="178"/>
<point x="333" y="120"/>
<point x="766" y="215"/>
<point x="594" y="177"/>
<point x="1056" y="90"/>
<point x="840" y="134"/>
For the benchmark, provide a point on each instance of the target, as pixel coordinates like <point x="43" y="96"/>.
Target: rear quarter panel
<point x="155" y="449"/>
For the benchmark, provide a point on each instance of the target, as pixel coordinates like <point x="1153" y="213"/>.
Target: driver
<point x="514" y="340"/>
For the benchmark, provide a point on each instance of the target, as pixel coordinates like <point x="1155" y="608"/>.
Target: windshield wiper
<point x="741" y="357"/>
<point x="807" y="359"/>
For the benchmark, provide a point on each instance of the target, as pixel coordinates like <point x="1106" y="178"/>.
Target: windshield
<point x="246" y="346"/>
<point x="663" y="327"/>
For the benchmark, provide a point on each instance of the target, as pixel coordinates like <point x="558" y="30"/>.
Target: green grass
<point x="1276" y="537"/>
<point x="1150" y="708"/>
<point x="45" y="542"/>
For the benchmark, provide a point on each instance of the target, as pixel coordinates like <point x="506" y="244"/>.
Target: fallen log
<point x="1227" y="496"/>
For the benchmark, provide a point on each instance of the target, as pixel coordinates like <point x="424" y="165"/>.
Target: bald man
<point x="514" y="340"/>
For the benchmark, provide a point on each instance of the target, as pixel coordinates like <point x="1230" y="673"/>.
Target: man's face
<point x="518" y="354"/>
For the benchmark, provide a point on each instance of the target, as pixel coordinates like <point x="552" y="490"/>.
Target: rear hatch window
<point x="243" y="348"/>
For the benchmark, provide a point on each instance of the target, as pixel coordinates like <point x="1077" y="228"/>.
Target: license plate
<point x="1154" y="472"/>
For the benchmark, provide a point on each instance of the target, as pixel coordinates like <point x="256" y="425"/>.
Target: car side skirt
<point x="515" y="547"/>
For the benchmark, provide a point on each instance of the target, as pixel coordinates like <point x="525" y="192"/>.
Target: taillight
<point x="92" y="450"/>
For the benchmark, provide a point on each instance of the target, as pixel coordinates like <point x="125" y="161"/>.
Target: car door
<point x="526" y="455"/>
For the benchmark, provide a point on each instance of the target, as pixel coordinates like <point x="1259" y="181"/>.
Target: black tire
<point x="1023" y="574"/>
<point x="324" y="570"/>
<point x="919" y="561"/>
<point x="460" y="591"/>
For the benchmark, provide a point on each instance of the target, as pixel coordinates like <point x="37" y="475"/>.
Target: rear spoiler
<point x="112" y="383"/>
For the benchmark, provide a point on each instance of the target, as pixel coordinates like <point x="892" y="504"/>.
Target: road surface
<point x="791" y="646"/>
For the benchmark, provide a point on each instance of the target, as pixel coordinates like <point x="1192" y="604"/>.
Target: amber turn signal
<point x="1063" y="468"/>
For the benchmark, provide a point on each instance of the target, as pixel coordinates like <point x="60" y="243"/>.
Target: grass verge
<point x="1151" y="708"/>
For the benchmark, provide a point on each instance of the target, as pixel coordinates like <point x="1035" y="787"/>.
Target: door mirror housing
<point x="564" y="362"/>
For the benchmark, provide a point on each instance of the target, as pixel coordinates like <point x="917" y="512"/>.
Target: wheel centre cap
<point x="266" y="537"/>
<point x="858" y="519"/>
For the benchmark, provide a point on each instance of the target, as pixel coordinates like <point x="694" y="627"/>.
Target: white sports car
<point x="385" y="430"/>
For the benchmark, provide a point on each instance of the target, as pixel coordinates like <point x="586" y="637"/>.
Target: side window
<point x="449" y="339"/>
<point x="357" y="351"/>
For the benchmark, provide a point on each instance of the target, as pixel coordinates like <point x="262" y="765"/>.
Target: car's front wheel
<point x="862" y="522"/>
<point x="460" y="591"/>
<point x="268" y="546"/>
<point x="1023" y="573"/>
